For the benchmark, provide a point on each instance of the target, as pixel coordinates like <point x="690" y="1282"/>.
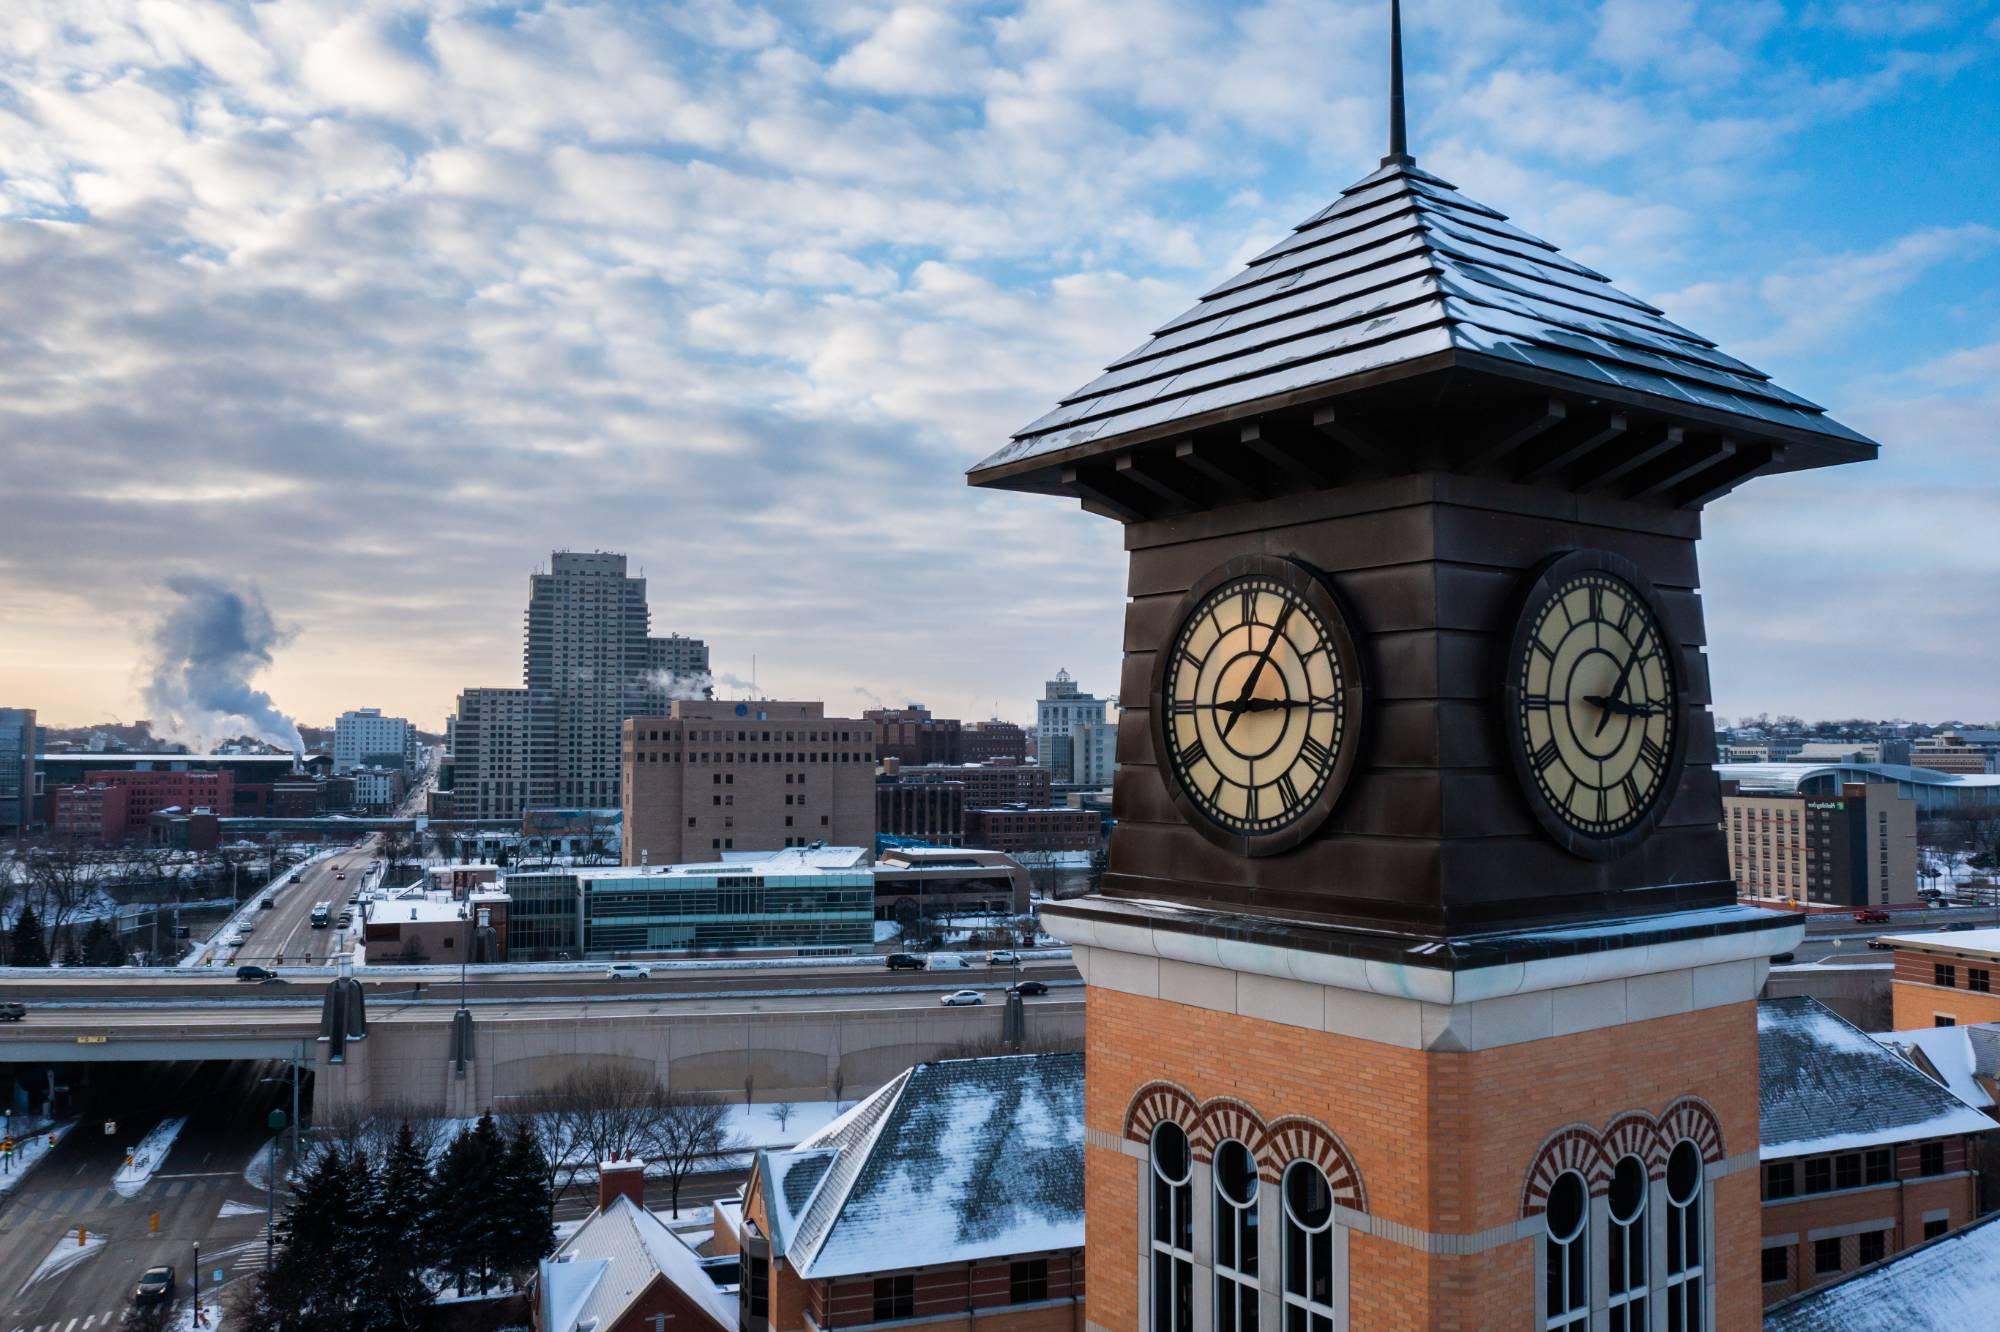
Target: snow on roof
<point x="1824" y="1085"/>
<point x="792" y="860"/>
<point x="791" y="1179"/>
<point x="1953" y="1281"/>
<point x="1971" y="941"/>
<point x="633" y="1246"/>
<point x="1955" y="1056"/>
<point x="958" y="1160"/>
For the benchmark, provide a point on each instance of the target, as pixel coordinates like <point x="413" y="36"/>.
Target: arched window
<point x="1308" y="1294"/>
<point x="1173" y="1230"/>
<point x="1566" y="1264"/>
<point x="1685" y="1207"/>
<point x="1625" y="1247"/>
<point x="1235" y="1238"/>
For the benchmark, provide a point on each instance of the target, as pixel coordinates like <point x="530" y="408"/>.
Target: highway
<point x="285" y="933"/>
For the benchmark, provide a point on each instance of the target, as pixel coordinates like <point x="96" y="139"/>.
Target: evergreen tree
<point x="323" y="1242"/>
<point x="101" y="947"/>
<point x="464" y="1204"/>
<point x="26" y="947"/>
<point x="396" y="1291"/>
<point x="529" y="1231"/>
<point x="72" y="956"/>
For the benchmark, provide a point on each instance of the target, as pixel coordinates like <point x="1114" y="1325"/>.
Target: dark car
<point x="267" y="904"/>
<point x="1872" y="917"/>
<point x="13" y="1012"/>
<point x="1029" y="988"/>
<point x="1881" y="945"/>
<point x="253" y="974"/>
<point x="155" y="1287"/>
<point x="1781" y="958"/>
<point x="1961" y="925"/>
<point x="907" y="962"/>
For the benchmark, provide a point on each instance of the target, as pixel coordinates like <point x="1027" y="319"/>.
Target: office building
<point x="363" y="737"/>
<point x="503" y="756"/>
<point x="986" y="784"/>
<point x="1862" y="1154"/>
<point x="1854" y="849"/>
<point x="911" y="735"/>
<point x="1059" y="713"/>
<point x="379" y="788"/>
<point x="711" y="777"/>
<point x="89" y="815"/>
<point x="993" y="741"/>
<point x="113" y="806"/>
<point x="910" y="882"/>
<point x="17" y="770"/>
<point x="1026" y="830"/>
<point x="805" y="900"/>
<point x="932" y="813"/>
<point x="1952" y="753"/>
<point x="675" y="662"/>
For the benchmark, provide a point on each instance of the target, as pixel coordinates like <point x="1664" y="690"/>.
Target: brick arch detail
<point x="1694" y="1119"/>
<point x="1573" y="1147"/>
<point x="1223" y="1118"/>
<point x="1635" y="1133"/>
<point x="1158" y="1101"/>
<point x="1294" y="1138"/>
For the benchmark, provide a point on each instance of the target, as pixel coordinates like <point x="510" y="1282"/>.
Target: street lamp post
<point x="276" y="1121"/>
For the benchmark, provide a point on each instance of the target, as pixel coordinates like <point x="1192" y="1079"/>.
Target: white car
<point x="626" y="971"/>
<point x="960" y="998"/>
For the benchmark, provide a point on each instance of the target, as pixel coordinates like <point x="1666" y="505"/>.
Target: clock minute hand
<point x="1623" y="708"/>
<point x="1250" y="685"/>
<point x="1617" y="689"/>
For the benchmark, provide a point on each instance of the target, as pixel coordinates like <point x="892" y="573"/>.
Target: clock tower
<point x="1418" y="991"/>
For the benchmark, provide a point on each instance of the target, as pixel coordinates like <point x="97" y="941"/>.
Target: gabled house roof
<point x="1965" y="1059"/>
<point x="1952" y="1281"/>
<point x="1404" y="275"/>
<point x="615" y="1255"/>
<point x="1824" y="1085"/>
<point x="953" y="1161"/>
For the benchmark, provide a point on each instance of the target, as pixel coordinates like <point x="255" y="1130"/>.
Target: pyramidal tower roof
<point x="1532" y="366"/>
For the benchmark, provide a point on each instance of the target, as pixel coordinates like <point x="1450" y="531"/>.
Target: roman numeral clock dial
<point x="1592" y="703"/>
<point x="1257" y="702"/>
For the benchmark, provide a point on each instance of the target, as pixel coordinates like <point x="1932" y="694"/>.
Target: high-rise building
<point x="17" y="769"/>
<point x="675" y="662"/>
<point x="503" y="752"/>
<point x="363" y="737"/>
<point x="1062" y="708"/>
<point x="588" y="649"/>
<point x="912" y="735"/>
<point x="993" y="741"/>
<point x="711" y="777"/>
<point x="1856" y="848"/>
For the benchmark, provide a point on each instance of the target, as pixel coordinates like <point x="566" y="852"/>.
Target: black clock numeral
<point x="1548" y="756"/>
<point x="1535" y="702"/>
<point x="1631" y="789"/>
<point x="1625" y="618"/>
<point x="1603" y="805"/>
<point x="1325" y="703"/>
<point x="1191" y="661"/>
<point x="1652" y="755"/>
<point x="1288" y="794"/>
<point x="1193" y="754"/>
<point x="1595" y="593"/>
<point x="1541" y="649"/>
<point x="1183" y="707"/>
<point x="1315" y="753"/>
<point x="1249" y="606"/>
<point x="1250" y="804"/>
<point x="1215" y="792"/>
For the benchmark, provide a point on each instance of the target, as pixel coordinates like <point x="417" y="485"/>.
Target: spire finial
<point x="1399" y="138"/>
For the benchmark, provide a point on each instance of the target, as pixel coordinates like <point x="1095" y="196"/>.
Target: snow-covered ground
<point x="31" y="1144"/>
<point x="67" y="1254"/>
<point x="148" y="1156"/>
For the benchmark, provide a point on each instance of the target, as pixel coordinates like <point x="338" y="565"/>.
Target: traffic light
<point x="156" y="1223"/>
<point x="81" y="1236"/>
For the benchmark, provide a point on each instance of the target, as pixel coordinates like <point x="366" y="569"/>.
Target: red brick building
<point x="93" y="815"/>
<point x="1863" y="1155"/>
<point x="1019" y="829"/>
<point x="953" y="1196"/>
<point x="912" y="735"/>
<point x="993" y="742"/>
<point x="139" y="793"/>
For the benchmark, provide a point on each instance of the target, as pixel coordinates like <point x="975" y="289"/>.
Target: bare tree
<point x="782" y="1111"/>
<point x="62" y="879"/>
<point x="692" y="1127"/>
<point x="749" y="1088"/>
<point x="546" y="1116"/>
<point x="613" y="1112"/>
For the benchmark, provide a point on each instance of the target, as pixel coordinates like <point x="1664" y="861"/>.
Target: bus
<point x="322" y="915"/>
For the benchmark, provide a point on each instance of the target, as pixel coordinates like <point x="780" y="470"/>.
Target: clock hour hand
<point x="1250" y="684"/>
<point x="1258" y="705"/>
<point x="1612" y="705"/>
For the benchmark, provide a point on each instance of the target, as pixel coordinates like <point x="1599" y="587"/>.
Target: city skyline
<point x="385" y="329"/>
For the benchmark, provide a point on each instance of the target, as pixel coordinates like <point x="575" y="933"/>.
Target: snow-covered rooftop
<point x="791" y="861"/>
<point x="1956" y="1056"/>
<point x="955" y="1161"/>
<point x="1824" y="1085"/>
<point x="1953" y="1281"/>
<point x="1971" y="941"/>
<point x="615" y="1254"/>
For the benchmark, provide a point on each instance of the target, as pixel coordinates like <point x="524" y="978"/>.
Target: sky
<point x="363" y="308"/>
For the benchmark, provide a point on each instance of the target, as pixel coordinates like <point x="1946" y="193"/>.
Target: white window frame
<point x="1297" y="1308"/>
<point x="1686" y="1291"/>
<point x="1161" y="1249"/>
<point x="1629" y="1310"/>
<point x="1234" y="1288"/>
<point x="1565" y="1256"/>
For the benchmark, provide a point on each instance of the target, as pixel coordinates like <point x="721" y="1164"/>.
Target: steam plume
<point x="700" y="684"/>
<point x="204" y="652"/>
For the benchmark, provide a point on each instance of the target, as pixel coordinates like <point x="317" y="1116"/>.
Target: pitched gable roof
<point x="1824" y="1085"/>
<point x="1403" y="273"/>
<point x="1952" y="1281"/>
<point x="956" y="1160"/>
<point x="618" y="1252"/>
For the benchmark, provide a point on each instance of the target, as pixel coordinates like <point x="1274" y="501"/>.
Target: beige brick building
<point x="718" y="776"/>
<point x="1855" y="849"/>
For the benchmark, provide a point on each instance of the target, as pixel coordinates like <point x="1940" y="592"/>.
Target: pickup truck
<point x="1872" y="917"/>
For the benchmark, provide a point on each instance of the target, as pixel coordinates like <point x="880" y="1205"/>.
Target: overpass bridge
<point x="793" y="1042"/>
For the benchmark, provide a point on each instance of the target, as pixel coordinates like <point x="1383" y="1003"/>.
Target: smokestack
<point x="204" y="651"/>
<point x="621" y="1179"/>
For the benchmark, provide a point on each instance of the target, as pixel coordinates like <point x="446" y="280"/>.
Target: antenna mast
<point x="1399" y="137"/>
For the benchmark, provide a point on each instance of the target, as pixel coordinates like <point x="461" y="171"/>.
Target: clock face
<point x="1593" y="704"/>
<point x="1257" y="705"/>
